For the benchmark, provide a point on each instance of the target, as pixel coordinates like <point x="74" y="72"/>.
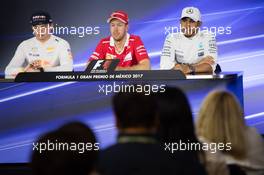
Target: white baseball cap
<point x="191" y="12"/>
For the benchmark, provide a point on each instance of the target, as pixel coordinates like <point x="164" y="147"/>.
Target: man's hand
<point x="29" y="69"/>
<point x="37" y="64"/>
<point x="34" y="66"/>
<point x="207" y="60"/>
<point x="106" y="65"/>
<point x="182" y="67"/>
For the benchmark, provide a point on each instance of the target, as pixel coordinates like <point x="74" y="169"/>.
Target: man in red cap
<point x="121" y="45"/>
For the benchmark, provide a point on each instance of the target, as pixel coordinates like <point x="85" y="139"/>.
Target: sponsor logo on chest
<point x="200" y="49"/>
<point x="128" y="57"/>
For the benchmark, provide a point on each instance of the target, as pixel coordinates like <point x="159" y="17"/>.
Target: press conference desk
<point x="120" y="75"/>
<point x="195" y="84"/>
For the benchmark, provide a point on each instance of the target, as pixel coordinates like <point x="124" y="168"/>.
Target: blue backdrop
<point x="242" y="50"/>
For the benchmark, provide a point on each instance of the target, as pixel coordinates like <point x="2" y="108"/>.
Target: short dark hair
<point x="134" y="109"/>
<point x="65" y="162"/>
<point x="174" y="111"/>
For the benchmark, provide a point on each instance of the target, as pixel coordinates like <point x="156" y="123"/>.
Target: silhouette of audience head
<point x="76" y="154"/>
<point x="135" y="111"/>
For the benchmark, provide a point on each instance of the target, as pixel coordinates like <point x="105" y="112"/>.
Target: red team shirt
<point x="134" y="51"/>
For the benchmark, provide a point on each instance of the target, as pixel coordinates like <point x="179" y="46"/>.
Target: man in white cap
<point x="42" y="53"/>
<point x="129" y="49"/>
<point x="191" y="50"/>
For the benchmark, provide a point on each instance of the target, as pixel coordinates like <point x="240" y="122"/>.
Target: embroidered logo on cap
<point x="189" y="11"/>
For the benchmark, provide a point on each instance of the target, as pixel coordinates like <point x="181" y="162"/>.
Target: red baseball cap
<point x="120" y="15"/>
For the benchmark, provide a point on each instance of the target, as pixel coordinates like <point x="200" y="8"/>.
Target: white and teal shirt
<point x="180" y="49"/>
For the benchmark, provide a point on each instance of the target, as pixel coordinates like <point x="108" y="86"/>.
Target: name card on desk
<point x="84" y="76"/>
